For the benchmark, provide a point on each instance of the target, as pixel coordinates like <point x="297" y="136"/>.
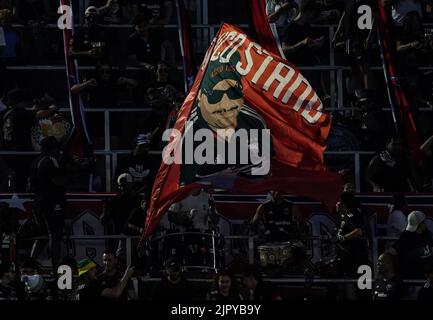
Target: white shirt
<point x="402" y="8"/>
<point x="200" y="203"/>
<point x="397" y="223"/>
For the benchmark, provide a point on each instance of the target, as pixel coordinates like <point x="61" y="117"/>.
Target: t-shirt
<point x="349" y="222"/>
<point x="111" y="281"/>
<point x="166" y="290"/>
<point x="140" y="169"/>
<point x="389" y="289"/>
<point x="155" y="9"/>
<point x="136" y="218"/>
<point x="92" y="38"/>
<point x="44" y="169"/>
<point x="119" y="207"/>
<point x="414" y="251"/>
<point x="90" y="290"/>
<point x="200" y="203"/>
<point x="397" y="222"/>
<point x="278" y="220"/>
<point x="11" y="39"/>
<point x="393" y="173"/>
<point x="148" y="51"/>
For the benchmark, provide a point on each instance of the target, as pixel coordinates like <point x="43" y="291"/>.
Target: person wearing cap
<point x="91" y="288"/>
<point x="47" y="180"/>
<point x="414" y="247"/>
<point x="116" y="210"/>
<point x="91" y="43"/>
<point x="174" y="287"/>
<point x="139" y="164"/>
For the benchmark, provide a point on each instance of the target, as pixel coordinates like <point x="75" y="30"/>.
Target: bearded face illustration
<point x="221" y="105"/>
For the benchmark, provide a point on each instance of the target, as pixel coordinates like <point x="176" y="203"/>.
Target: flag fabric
<point x="78" y="146"/>
<point x="185" y="42"/>
<point x="402" y="115"/>
<point x="240" y="85"/>
<point x="266" y="34"/>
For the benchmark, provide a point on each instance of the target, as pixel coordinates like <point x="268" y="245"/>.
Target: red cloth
<point x="297" y="127"/>
<point x="261" y="25"/>
<point x="396" y="90"/>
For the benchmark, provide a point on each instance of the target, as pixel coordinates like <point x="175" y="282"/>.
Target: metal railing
<point x="111" y="160"/>
<point x="250" y="240"/>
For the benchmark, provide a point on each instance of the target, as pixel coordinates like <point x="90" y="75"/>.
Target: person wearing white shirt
<point x="191" y="213"/>
<point x="397" y="219"/>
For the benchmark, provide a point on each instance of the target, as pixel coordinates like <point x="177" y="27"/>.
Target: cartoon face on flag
<point x="251" y="123"/>
<point x="235" y="134"/>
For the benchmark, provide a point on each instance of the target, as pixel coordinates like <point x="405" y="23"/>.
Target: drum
<point x="275" y="254"/>
<point x="196" y="251"/>
<point x="329" y="267"/>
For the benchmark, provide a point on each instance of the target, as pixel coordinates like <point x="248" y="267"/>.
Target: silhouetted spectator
<point x="90" y="287"/>
<point x="112" y="275"/>
<point x="146" y="48"/>
<point x="389" y="285"/>
<point x="392" y="170"/>
<point x="414" y="247"/>
<point x="102" y="91"/>
<point x="174" y="287"/>
<point x="47" y="181"/>
<point x="255" y="288"/>
<point x="397" y="219"/>
<point x="116" y="210"/>
<point x="139" y="165"/>
<point x="223" y="288"/>
<point x="91" y="44"/>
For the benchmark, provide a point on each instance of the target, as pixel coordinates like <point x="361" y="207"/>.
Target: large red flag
<point x="240" y="85"/>
<point x="186" y="48"/>
<point x="397" y="97"/>
<point x="78" y="147"/>
<point x="265" y="35"/>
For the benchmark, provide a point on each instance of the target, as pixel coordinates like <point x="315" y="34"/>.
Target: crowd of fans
<point x="137" y="68"/>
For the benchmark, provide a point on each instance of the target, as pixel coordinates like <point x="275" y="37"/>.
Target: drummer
<point x="191" y="214"/>
<point x="279" y="217"/>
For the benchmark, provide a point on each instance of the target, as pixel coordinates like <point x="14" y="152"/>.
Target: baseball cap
<point x="91" y="11"/>
<point x="84" y="266"/>
<point x="414" y="219"/>
<point x="142" y="139"/>
<point x="124" y="176"/>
